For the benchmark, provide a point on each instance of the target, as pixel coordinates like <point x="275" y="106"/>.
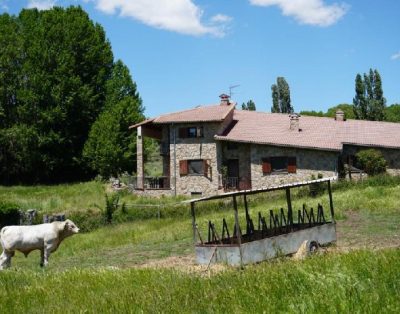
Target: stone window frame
<point x="289" y="161"/>
<point x="185" y="169"/>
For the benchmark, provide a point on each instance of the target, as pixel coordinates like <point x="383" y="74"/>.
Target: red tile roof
<point x="316" y="132"/>
<point x="211" y="113"/>
<point x="198" y="114"/>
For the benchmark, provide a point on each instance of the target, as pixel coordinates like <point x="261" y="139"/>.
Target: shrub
<point x="372" y="161"/>
<point x="87" y="220"/>
<point x="9" y="214"/>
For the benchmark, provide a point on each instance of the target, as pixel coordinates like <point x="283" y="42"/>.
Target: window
<point x="191" y="132"/>
<point x="279" y="165"/>
<point x="195" y="167"/>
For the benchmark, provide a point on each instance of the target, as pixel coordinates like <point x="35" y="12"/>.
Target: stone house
<point x="211" y="149"/>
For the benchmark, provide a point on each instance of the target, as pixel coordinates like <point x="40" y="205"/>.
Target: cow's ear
<point x="66" y="225"/>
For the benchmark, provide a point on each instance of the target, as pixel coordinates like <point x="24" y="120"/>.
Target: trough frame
<point x="253" y="246"/>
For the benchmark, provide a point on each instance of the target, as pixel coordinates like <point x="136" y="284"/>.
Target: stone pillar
<point x="139" y="159"/>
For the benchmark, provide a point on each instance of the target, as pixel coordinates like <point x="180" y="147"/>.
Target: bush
<point x="9" y="214"/>
<point x="87" y="220"/>
<point x="372" y="161"/>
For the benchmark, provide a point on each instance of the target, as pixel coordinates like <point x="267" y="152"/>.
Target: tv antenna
<point x="230" y="89"/>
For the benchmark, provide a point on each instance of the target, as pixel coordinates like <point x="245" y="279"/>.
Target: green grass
<point x="357" y="282"/>
<point x="97" y="271"/>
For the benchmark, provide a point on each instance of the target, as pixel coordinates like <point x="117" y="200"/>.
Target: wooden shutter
<point x="266" y="166"/>
<point x="183" y="132"/>
<point x="183" y="167"/>
<point x="199" y="131"/>
<point x="292" y="168"/>
<point x="206" y="166"/>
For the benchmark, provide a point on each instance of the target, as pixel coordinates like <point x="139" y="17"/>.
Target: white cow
<point x="45" y="237"/>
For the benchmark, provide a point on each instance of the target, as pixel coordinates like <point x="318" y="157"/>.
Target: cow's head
<point x="70" y="227"/>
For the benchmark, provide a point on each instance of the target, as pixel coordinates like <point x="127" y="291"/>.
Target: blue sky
<point x="184" y="53"/>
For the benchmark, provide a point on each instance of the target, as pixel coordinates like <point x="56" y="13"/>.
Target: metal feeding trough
<point x="280" y="234"/>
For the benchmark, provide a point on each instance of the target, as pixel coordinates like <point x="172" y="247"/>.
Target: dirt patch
<point x="371" y="231"/>
<point x="185" y="263"/>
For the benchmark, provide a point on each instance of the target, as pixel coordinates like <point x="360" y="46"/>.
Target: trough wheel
<point x="313" y="247"/>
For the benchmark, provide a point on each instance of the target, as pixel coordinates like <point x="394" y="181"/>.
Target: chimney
<point x="340" y="115"/>
<point x="294" y="122"/>
<point x="224" y="100"/>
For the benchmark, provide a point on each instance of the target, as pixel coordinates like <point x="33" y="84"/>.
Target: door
<point x="232" y="181"/>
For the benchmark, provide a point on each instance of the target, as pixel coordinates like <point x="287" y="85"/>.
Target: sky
<point x="185" y="53"/>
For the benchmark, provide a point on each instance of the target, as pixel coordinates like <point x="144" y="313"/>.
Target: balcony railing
<point x="230" y="183"/>
<point x="156" y="183"/>
<point x="150" y="183"/>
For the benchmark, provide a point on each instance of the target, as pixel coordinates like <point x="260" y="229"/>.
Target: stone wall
<point x="195" y="148"/>
<point x="308" y="162"/>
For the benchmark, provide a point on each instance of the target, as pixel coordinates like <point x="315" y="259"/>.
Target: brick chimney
<point x="224" y="99"/>
<point x="294" y="122"/>
<point x="339" y="116"/>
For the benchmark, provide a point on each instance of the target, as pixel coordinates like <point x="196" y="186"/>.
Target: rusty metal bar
<point x="290" y="210"/>
<point x="198" y="233"/>
<point x="192" y="210"/>
<point x="331" y="201"/>
<point x="238" y="233"/>
<point x="225" y="228"/>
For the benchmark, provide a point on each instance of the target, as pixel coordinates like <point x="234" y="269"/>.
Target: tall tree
<point x="250" y="105"/>
<point x="111" y="146"/>
<point x="359" y="101"/>
<point x="281" y="96"/>
<point x="275" y="99"/>
<point x="369" y="103"/>
<point x="58" y="64"/>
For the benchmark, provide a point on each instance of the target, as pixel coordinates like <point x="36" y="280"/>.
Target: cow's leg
<point x="46" y="255"/>
<point x="5" y="259"/>
<point x="42" y="257"/>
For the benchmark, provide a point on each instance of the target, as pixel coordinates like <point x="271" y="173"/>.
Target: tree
<point x="392" y="113"/>
<point x="359" y="101"/>
<point x="346" y="108"/>
<point x="250" y="105"/>
<point x="281" y="96"/>
<point x="111" y="146"/>
<point x="56" y="64"/>
<point x="369" y="103"/>
<point x="312" y="113"/>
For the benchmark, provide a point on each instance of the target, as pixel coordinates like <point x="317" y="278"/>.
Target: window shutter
<point x="291" y="165"/>
<point x="266" y="166"/>
<point x="183" y="167"/>
<point x="200" y="131"/>
<point x="183" y="132"/>
<point x="206" y="166"/>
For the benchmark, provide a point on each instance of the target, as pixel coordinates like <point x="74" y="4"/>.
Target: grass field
<point x="102" y="270"/>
